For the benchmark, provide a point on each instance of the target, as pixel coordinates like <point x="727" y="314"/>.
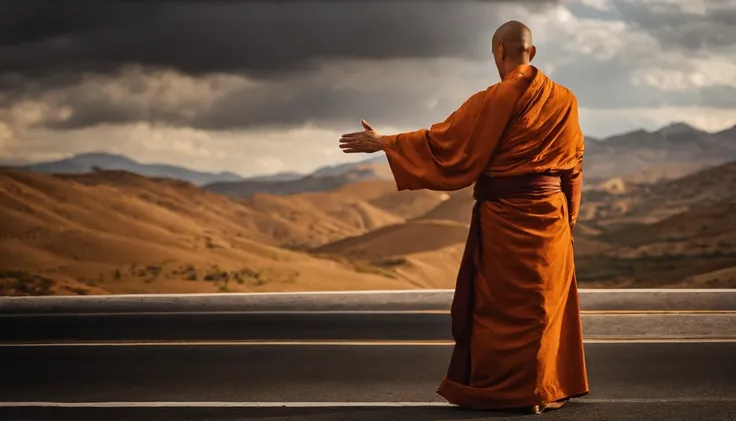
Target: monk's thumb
<point x="366" y="125"/>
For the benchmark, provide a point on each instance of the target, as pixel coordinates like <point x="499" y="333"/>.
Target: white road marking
<point x="230" y="313"/>
<point x="221" y="404"/>
<point x="165" y="404"/>
<point x="650" y="290"/>
<point x="658" y="340"/>
<point x="657" y="312"/>
<point x="240" y="294"/>
<point x="399" y="291"/>
<point x="355" y="312"/>
<point x="335" y="343"/>
<point x="227" y="343"/>
<point x="660" y="400"/>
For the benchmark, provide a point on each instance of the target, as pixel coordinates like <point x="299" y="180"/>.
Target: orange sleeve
<point x="572" y="181"/>
<point x="453" y="154"/>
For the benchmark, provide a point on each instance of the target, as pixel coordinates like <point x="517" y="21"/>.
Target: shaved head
<point x="512" y="46"/>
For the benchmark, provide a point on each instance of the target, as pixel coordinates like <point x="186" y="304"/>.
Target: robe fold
<point x="515" y="313"/>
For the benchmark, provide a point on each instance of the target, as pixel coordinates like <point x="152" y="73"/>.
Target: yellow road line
<point x="336" y="343"/>
<point x="614" y="312"/>
<point x="372" y="404"/>
<point x="346" y="312"/>
<point x="654" y="312"/>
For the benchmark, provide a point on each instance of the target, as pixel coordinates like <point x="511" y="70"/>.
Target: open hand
<point x="367" y="141"/>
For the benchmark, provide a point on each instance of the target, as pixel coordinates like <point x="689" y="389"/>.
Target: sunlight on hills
<point x="118" y="232"/>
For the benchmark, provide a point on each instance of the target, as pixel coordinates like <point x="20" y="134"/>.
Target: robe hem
<point x="473" y="398"/>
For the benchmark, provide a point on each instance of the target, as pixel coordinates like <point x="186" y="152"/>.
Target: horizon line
<point x="25" y="162"/>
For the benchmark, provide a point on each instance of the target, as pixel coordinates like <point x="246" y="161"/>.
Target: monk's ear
<point x="501" y="51"/>
<point x="532" y="52"/>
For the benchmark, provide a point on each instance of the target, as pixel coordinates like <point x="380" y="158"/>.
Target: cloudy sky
<point x="260" y="87"/>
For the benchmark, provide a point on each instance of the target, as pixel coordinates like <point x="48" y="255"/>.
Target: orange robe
<point x="516" y="318"/>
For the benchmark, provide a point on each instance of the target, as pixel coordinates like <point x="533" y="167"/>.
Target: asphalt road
<point x="181" y="358"/>
<point x="329" y="326"/>
<point x="684" y="381"/>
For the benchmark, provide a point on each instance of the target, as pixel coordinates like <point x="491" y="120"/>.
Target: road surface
<point x="279" y="364"/>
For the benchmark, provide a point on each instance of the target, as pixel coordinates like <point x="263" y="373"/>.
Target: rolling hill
<point x="645" y="203"/>
<point x="676" y="233"/>
<point x="118" y="232"/>
<point x="412" y="237"/>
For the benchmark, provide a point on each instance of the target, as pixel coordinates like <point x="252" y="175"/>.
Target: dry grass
<point x="116" y="232"/>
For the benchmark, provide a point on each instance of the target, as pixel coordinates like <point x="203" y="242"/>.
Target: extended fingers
<point x="357" y="142"/>
<point x="354" y="147"/>
<point x="354" y="135"/>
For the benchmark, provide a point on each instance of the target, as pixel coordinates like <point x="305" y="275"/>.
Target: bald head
<point x="512" y="46"/>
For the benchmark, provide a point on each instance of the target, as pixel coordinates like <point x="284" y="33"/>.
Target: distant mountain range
<point x="280" y="183"/>
<point x="282" y="176"/>
<point x="87" y="162"/>
<point x="639" y="156"/>
<point x="325" y="178"/>
<point x="670" y="152"/>
<point x="116" y="232"/>
<point x="7" y="162"/>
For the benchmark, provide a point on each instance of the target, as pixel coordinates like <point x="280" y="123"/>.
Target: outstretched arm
<point x="451" y="155"/>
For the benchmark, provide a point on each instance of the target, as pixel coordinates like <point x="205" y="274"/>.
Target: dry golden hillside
<point x="117" y="232"/>
<point x="382" y="194"/>
<point x="366" y="190"/>
<point x="650" y="203"/>
<point x="313" y="219"/>
<point x="400" y="240"/>
<point x="675" y="233"/>
<point x="410" y="204"/>
<point x="458" y="207"/>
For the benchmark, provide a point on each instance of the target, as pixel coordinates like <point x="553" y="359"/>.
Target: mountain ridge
<point x="88" y="161"/>
<point x="671" y="151"/>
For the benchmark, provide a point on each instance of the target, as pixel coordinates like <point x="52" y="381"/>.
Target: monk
<point x="515" y="313"/>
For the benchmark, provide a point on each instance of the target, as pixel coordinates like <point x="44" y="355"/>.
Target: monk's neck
<point x="513" y="68"/>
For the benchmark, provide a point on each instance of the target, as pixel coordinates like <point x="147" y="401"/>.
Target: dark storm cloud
<point x="29" y="22"/>
<point x="46" y="47"/>
<point x="260" y="37"/>
<point x="287" y="104"/>
<point x="675" y="28"/>
<point x="333" y="108"/>
<point x="285" y="43"/>
<point x="296" y="102"/>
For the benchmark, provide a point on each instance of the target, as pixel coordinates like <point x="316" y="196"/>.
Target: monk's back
<point x="515" y="312"/>
<point x="516" y="318"/>
<point x="544" y="133"/>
